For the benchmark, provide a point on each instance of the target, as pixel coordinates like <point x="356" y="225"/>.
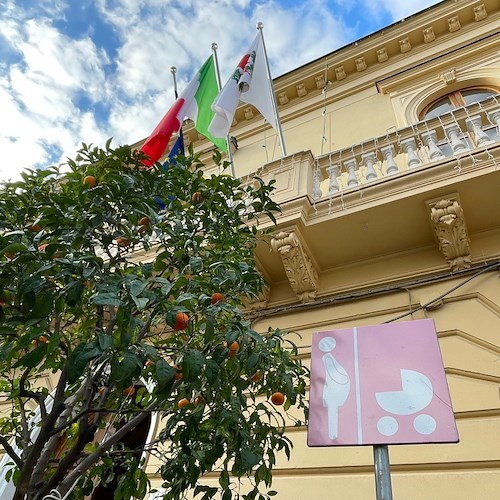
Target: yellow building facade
<point x="390" y="197"/>
<point x="391" y="211"/>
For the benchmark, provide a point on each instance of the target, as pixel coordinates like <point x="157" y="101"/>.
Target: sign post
<point x="383" y="484"/>
<point x="379" y="385"/>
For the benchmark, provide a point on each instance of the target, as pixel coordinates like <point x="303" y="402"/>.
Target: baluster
<point x="453" y="134"/>
<point x="494" y="117"/>
<point x="316" y="192"/>
<point x="350" y="166"/>
<point x="369" y="160"/>
<point x="430" y="140"/>
<point x="333" y="173"/>
<point x="474" y="126"/>
<point x="388" y="154"/>
<point x="409" y="146"/>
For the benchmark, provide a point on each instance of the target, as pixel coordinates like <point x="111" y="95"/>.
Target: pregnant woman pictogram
<point x="337" y="385"/>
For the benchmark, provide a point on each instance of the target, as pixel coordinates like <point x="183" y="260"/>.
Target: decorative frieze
<point x="360" y="63"/>
<point x="320" y="81"/>
<point x="301" y="90"/>
<point x="382" y="55"/>
<point x="299" y="268"/>
<point x="405" y="45"/>
<point x="340" y="73"/>
<point x="449" y="76"/>
<point x="248" y="113"/>
<point x="454" y="24"/>
<point x="448" y="221"/>
<point x="480" y="12"/>
<point x="429" y="35"/>
<point x="283" y="98"/>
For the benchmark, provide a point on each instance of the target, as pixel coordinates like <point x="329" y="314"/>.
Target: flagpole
<point x="260" y="27"/>
<point x="173" y="70"/>
<point x="219" y="84"/>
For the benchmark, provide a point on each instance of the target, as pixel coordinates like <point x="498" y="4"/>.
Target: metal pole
<point x="173" y="70"/>
<point x="260" y="27"/>
<point x="219" y="84"/>
<point x="382" y="472"/>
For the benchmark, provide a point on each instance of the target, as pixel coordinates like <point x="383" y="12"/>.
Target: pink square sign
<point x="382" y="384"/>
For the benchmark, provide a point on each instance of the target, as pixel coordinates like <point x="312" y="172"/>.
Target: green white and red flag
<point x="194" y="102"/>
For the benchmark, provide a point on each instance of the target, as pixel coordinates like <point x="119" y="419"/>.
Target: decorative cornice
<point x="299" y="268"/>
<point x="449" y="226"/>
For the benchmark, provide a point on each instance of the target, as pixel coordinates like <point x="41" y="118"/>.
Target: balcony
<point x="352" y="214"/>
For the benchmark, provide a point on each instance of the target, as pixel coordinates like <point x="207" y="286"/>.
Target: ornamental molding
<point x="448" y="221"/>
<point x="299" y="267"/>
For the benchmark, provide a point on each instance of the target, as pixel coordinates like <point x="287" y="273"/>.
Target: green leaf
<point x="79" y="358"/>
<point x="192" y="364"/>
<point x="107" y="299"/>
<point x="165" y="374"/>
<point x="248" y="458"/>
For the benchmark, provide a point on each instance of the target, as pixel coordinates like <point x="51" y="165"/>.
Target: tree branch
<point x="80" y="469"/>
<point x="10" y="451"/>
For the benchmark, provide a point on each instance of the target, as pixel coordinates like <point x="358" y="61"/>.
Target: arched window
<point x="456" y="99"/>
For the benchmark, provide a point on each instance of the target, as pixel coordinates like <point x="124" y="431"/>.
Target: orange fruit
<point x="122" y="242"/>
<point x="35" y="228"/>
<point x="277" y="398"/>
<point x="149" y="363"/>
<point x="43" y="339"/>
<point x="90" y="180"/>
<point x="182" y="403"/>
<point x="197" y="197"/>
<point x="10" y="255"/>
<point x="181" y="321"/>
<point x="234" y="346"/>
<point x="34" y="343"/>
<point x="200" y="400"/>
<point x="217" y="297"/>
<point x="178" y="373"/>
<point x="129" y="391"/>
<point x="256" y="377"/>
<point x="42" y="247"/>
<point x="144" y="221"/>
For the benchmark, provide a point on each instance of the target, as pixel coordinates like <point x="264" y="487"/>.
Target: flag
<point x="194" y="102"/>
<point x="177" y="149"/>
<point x="250" y="83"/>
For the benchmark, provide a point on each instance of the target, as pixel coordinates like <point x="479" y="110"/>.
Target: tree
<point x="128" y="284"/>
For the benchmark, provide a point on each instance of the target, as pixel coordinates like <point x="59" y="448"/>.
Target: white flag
<point x="249" y="83"/>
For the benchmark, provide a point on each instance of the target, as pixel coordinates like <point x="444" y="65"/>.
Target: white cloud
<point x="40" y="92"/>
<point x="50" y="82"/>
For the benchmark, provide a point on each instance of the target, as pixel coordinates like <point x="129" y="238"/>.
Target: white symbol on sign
<point x="416" y="394"/>
<point x="337" y="385"/>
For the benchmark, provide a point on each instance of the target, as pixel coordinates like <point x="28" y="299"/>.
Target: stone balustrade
<point x="464" y="131"/>
<point x="467" y="131"/>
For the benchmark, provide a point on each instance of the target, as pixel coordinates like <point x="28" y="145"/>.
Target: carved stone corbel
<point x="448" y="221"/>
<point x="299" y="267"/>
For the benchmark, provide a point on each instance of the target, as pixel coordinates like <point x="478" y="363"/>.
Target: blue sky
<point x="74" y="71"/>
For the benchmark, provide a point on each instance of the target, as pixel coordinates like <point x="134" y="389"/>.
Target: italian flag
<point x="195" y="103"/>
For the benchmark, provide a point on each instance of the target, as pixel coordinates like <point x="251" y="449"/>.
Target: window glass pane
<point x="440" y="107"/>
<point x="476" y="95"/>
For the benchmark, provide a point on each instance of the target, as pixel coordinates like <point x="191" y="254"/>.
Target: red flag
<point x="157" y="142"/>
